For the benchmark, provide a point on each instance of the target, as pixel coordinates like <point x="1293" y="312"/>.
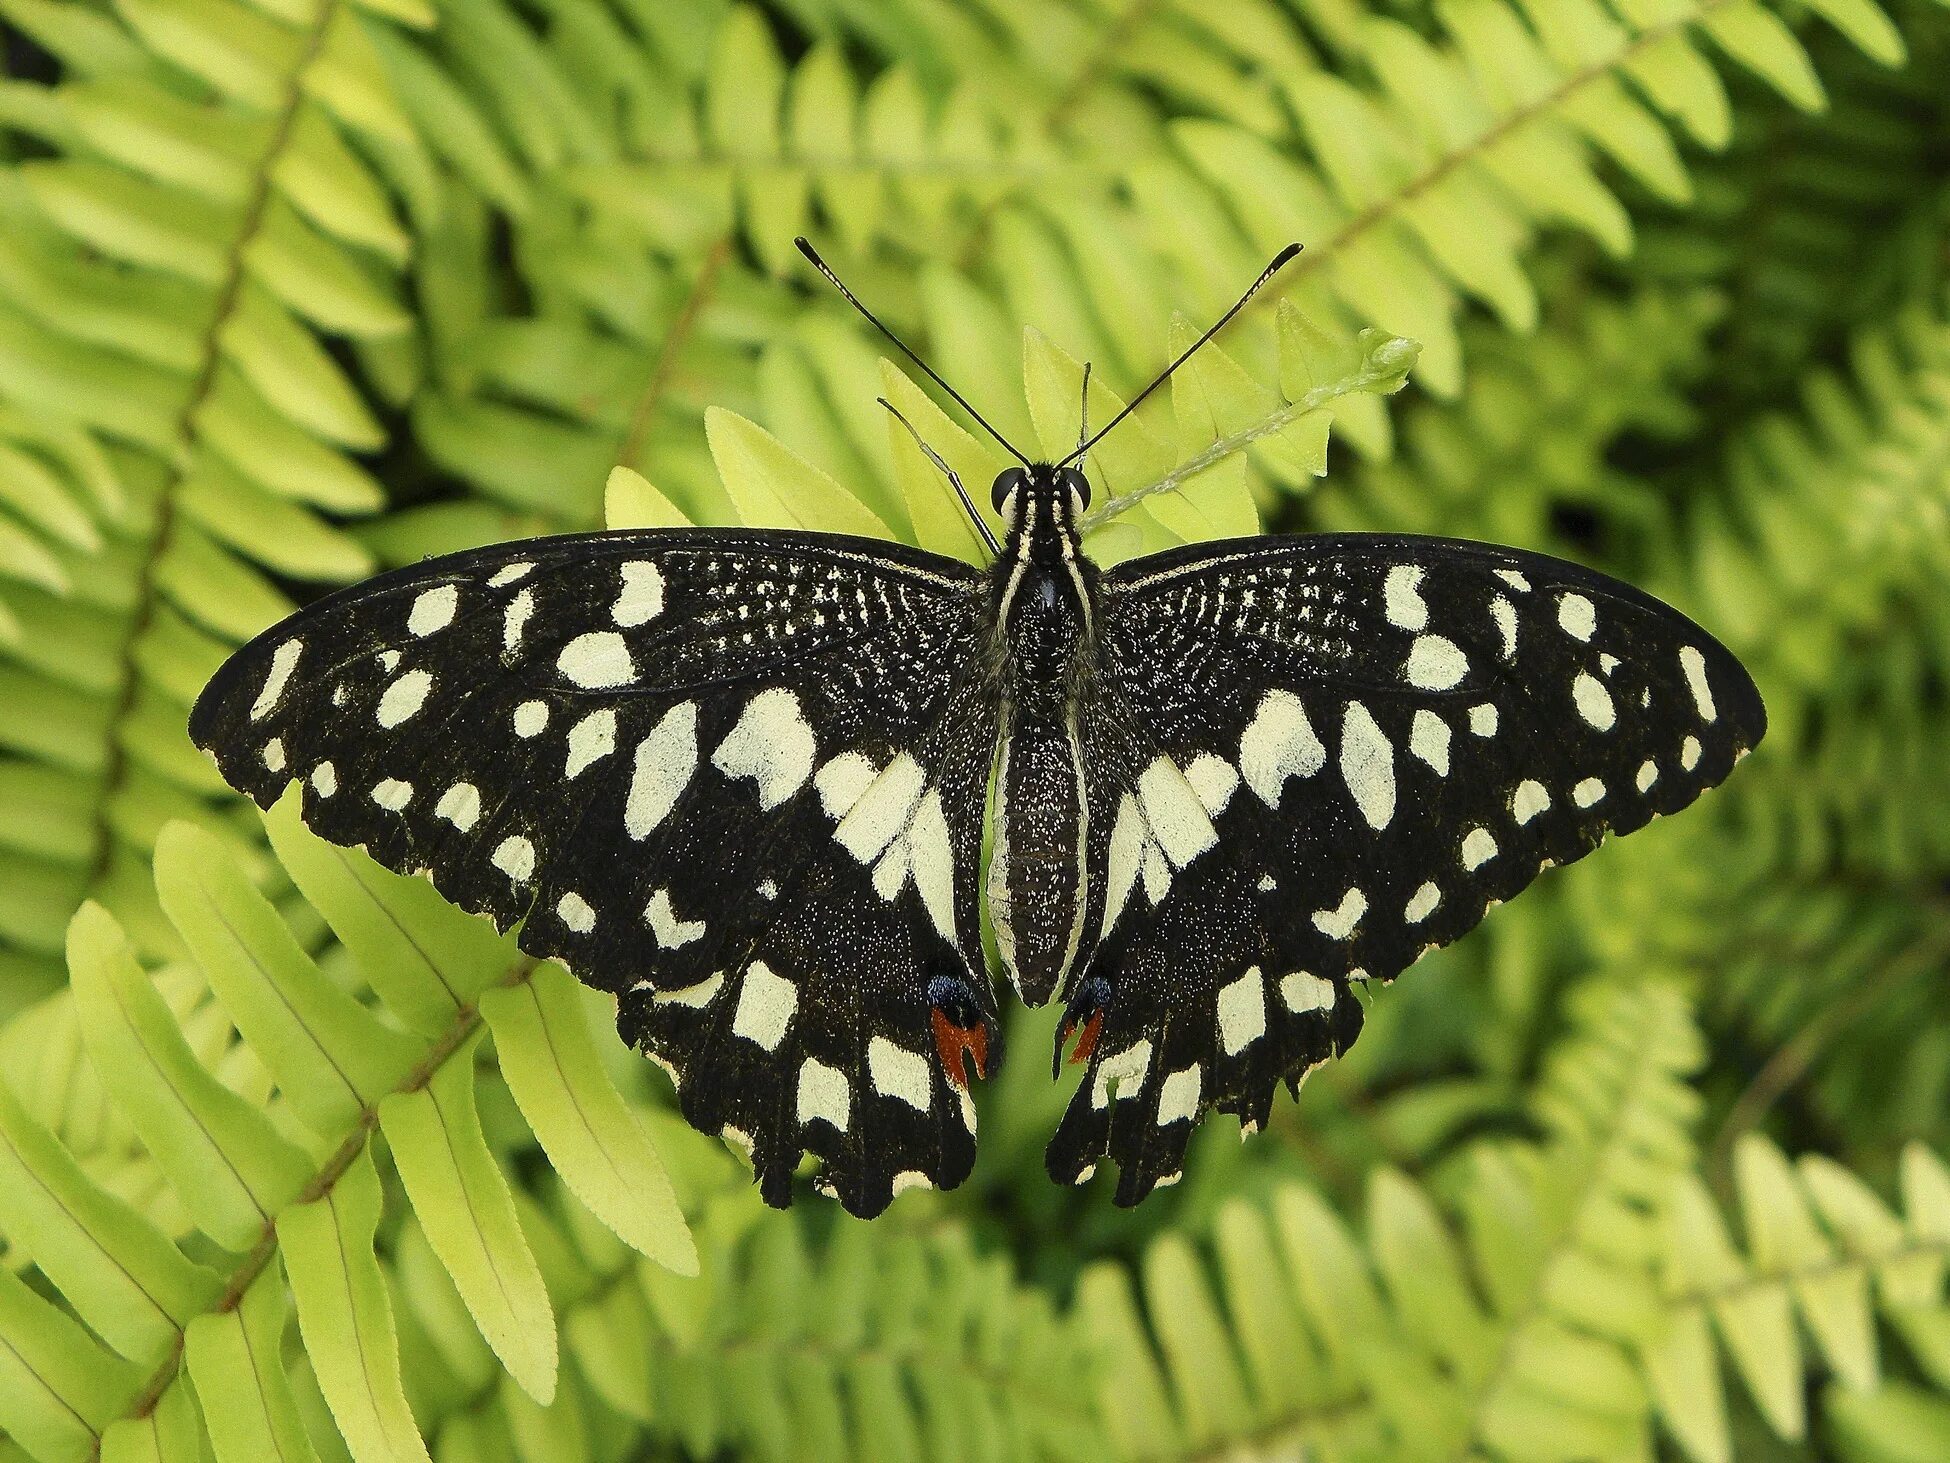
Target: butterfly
<point x="739" y="779"/>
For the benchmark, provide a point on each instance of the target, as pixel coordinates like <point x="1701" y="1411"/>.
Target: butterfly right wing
<point x="734" y="778"/>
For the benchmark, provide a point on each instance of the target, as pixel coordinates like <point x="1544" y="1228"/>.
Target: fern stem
<point x="681" y="327"/>
<point x="210" y="356"/>
<point x="258" y="1257"/>
<point x="1318" y="256"/>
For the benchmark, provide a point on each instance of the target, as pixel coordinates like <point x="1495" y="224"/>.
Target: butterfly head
<point x="1041" y="495"/>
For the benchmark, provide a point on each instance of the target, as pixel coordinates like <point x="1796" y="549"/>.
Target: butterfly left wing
<point x="734" y="778"/>
<point x="1311" y="760"/>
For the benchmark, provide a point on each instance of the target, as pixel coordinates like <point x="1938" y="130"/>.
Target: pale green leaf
<point x="773" y="487"/>
<point x="346" y="1316"/>
<point x="463" y="1204"/>
<point x="235" y="1357"/>
<point x="551" y="1064"/>
<point x="231" y="1167"/>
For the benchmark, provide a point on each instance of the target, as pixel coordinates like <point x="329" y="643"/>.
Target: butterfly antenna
<point x="948" y="472"/>
<point x="812" y="256"/>
<point x="1083" y="413"/>
<point x="1279" y="261"/>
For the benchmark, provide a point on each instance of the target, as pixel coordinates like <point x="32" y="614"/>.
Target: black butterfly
<point x="739" y="778"/>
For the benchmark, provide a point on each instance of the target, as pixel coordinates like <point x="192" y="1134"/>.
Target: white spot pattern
<point x="824" y="1094"/>
<point x="515" y="857"/>
<point x="508" y="573"/>
<point x="1304" y="991"/>
<point x="460" y="805"/>
<point x="1242" y="1012"/>
<point x="1694" y="664"/>
<point x="1482" y="720"/>
<point x="1505" y="615"/>
<point x="574" y="911"/>
<point x="274" y="754"/>
<point x="1435" y="663"/>
<point x="1178" y="1096"/>
<point x="766" y="1004"/>
<point x="1478" y="848"/>
<point x="897" y="1072"/>
<point x="1689" y="751"/>
<point x="392" y="794"/>
<point x="1124" y="1072"/>
<point x="1593" y="701"/>
<point x="434" y="610"/>
<point x="642" y="596"/>
<point x="284" y="660"/>
<point x="597" y="660"/>
<point x="1278" y="744"/>
<point x="1648" y="774"/>
<point x="771" y="744"/>
<point x="1401" y="597"/>
<point x="672" y="933"/>
<point x="1367" y="765"/>
<point x="1428" y="738"/>
<point x="515" y="619"/>
<point x="1338" y="923"/>
<point x="403" y="698"/>
<point x="531" y="718"/>
<point x="590" y="740"/>
<point x="1530" y="800"/>
<point x="324" y="779"/>
<point x="1422" y="903"/>
<point x="665" y="760"/>
<point x="1576" y="616"/>
<point x="1587" y="792"/>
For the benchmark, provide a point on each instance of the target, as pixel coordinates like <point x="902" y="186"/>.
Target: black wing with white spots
<point x="1312" y="760"/>
<point x="736" y="779"/>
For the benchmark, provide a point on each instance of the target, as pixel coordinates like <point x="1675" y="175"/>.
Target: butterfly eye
<point x="1077" y="483"/>
<point x="1005" y="484"/>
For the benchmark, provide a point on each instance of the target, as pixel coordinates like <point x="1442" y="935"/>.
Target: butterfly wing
<point x="735" y="779"/>
<point x="1314" y="759"/>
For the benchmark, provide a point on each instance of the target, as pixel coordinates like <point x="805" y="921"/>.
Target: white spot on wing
<point x="574" y="911"/>
<point x="671" y="932"/>
<point x="392" y="794"/>
<point x="1401" y="597"/>
<point x="1123" y="1073"/>
<point x="590" y="740"/>
<point x="1593" y="701"/>
<point x="597" y="659"/>
<point x="1214" y="780"/>
<point x="1428" y="738"/>
<point x="1367" y="765"/>
<point x="515" y="619"/>
<point x="515" y="857"/>
<point x="1590" y="791"/>
<point x="1339" y="923"/>
<point x="824" y="1094"/>
<point x="1178" y="1096"/>
<point x="1128" y="836"/>
<point x="882" y="809"/>
<point x="1482" y="720"/>
<point x="508" y="573"/>
<point x="699" y="995"/>
<point x="771" y="744"/>
<point x="1435" y="663"/>
<point x="460" y="805"/>
<point x="1689" y="753"/>
<point x="766" y="1004"/>
<point x="404" y="697"/>
<point x="1304" y="991"/>
<point x="1648" y="774"/>
<point x="1242" y="1012"/>
<point x="274" y="754"/>
<point x="665" y="760"/>
<point x="1421" y="904"/>
<point x="1529" y="800"/>
<point x="1576" y="616"/>
<point x="1280" y="743"/>
<point x="1174" y="812"/>
<point x="1478" y="848"/>
<point x="1505" y="615"/>
<point x="284" y="660"/>
<point x="434" y="610"/>
<point x="1694" y="664"/>
<point x="325" y="779"/>
<point x="841" y="781"/>
<point x="931" y="859"/>
<point x="531" y="718"/>
<point x="1512" y="578"/>
<point x="641" y="597"/>
<point x="897" y="1072"/>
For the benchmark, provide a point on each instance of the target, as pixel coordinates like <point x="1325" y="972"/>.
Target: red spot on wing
<point x="1087" y="1043"/>
<point x="954" y="1042"/>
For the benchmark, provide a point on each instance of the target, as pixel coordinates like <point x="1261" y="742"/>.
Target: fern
<point x="267" y="1147"/>
<point x="1571" y="1305"/>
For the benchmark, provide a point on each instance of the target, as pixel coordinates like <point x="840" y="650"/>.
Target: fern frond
<point x="197" y="224"/>
<point x="258" y="1107"/>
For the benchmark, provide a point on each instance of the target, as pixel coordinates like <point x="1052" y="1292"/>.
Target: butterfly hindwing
<point x="735" y="779"/>
<point x="1310" y="761"/>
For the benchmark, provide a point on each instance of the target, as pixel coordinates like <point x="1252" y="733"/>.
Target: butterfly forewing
<point x="1311" y="760"/>
<point x="735" y="779"/>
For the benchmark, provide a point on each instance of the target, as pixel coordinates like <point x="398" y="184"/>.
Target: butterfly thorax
<point x="1045" y="613"/>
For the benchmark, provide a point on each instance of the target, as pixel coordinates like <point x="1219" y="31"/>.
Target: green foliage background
<point x="297" y="1163"/>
